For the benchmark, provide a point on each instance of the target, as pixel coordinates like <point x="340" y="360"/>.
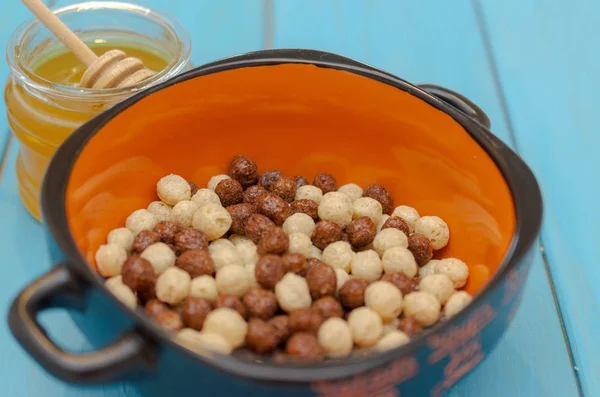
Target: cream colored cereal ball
<point x="455" y="269"/>
<point x="172" y="189"/>
<point x="428" y="268"/>
<point x="399" y="259"/>
<point x="202" y="342"/>
<point x="228" y="323"/>
<point x="292" y="292"/>
<point x="352" y="190"/>
<point x="408" y="215"/>
<point x="335" y="337"/>
<point x="251" y="274"/>
<point x="300" y="243"/>
<point x="457" y="301"/>
<point x="205" y="196"/>
<point x="122" y="237"/>
<point x="183" y="212"/>
<point x="316" y="253"/>
<point x="204" y="287"/>
<point x="435" y="229"/>
<point x="391" y="341"/>
<point x="309" y="192"/>
<point x="341" y="276"/>
<point x="336" y="209"/>
<point x="225" y="256"/>
<point x="423" y="306"/>
<point x="339" y="255"/>
<point x="220" y="243"/>
<point x="385" y="299"/>
<point x="109" y="259"/>
<point x="213" y="220"/>
<point x="160" y="210"/>
<point x="140" y="220"/>
<point x="173" y="285"/>
<point x="388" y="238"/>
<point x="246" y="249"/>
<point x="366" y="265"/>
<point x="121" y="291"/>
<point x="214" y="181"/>
<point x="366" y="326"/>
<point x="366" y="206"/>
<point x="438" y="285"/>
<point x="299" y="223"/>
<point x="382" y="222"/>
<point x="160" y="255"/>
<point x="233" y="279"/>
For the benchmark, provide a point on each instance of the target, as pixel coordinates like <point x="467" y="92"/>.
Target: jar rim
<point x="45" y="86"/>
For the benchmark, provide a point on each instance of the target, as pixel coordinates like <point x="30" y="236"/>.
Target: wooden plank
<point x="547" y="63"/>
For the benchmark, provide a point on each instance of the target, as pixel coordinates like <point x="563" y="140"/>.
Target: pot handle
<point x="59" y="288"/>
<point x="459" y="102"/>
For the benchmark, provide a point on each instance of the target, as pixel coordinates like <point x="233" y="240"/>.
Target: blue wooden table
<point x="533" y="66"/>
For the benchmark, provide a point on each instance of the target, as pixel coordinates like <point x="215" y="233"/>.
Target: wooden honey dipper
<point x="113" y="69"/>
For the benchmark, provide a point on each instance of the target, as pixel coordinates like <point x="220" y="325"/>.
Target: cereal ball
<point x="391" y="341"/>
<point x="390" y="326"/>
<point x="213" y="220"/>
<point x="388" y="238"/>
<point x="144" y="239"/>
<point x="167" y="231"/>
<point x="121" y="292"/>
<point x="435" y="229"/>
<point x="325" y="182"/>
<point x="196" y="262"/>
<point x="285" y="187"/>
<point x="304" y="320"/>
<point x="232" y="302"/>
<point x="335" y="337"/>
<point x="366" y="206"/>
<point x="307" y="207"/>
<point x="281" y="324"/>
<point x="204" y="197"/>
<point x="140" y="220"/>
<point x="109" y="259"/>
<point x="352" y="293"/>
<point x="160" y="210"/>
<point x="193" y="188"/>
<point x="384" y="219"/>
<point x="327" y="307"/>
<point x="274" y="241"/>
<point x="438" y="285"/>
<point x="400" y="280"/>
<point x="397" y="223"/>
<point x="424" y="307"/>
<point x="338" y="255"/>
<point x="232" y="279"/>
<point x="366" y="326"/>
<point x="220" y="243"/>
<point x="269" y="270"/>
<point x="321" y="281"/>
<point x="292" y="292"/>
<point x="172" y="189"/>
<point x="246" y="249"/>
<point x="160" y="255"/>
<point x="428" y="268"/>
<point x="228" y="323"/>
<point x="409" y="326"/>
<point x="295" y="263"/>
<point x="252" y="194"/>
<point x="300" y="181"/>
<point x="316" y="253"/>
<point x="261" y="336"/>
<point x="268" y="178"/>
<point x="155" y="306"/>
<point x="366" y="265"/>
<point x="341" y="278"/>
<point x="256" y="226"/>
<point x="215" y="180"/>
<point x="173" y="286"/>
<point x="309" y="192"/>
<point x="420" y="247"/>
<point x="336" y="209"/>
<point x="299" y="223"/>
<point x="225" y="256"/>
<point x="261" y="303"/>
<point x="304" y="345"/>
<point x="239" y="216"/>
<point x="183" y="212"/>
<point x="310" y="262"/>
<point x="458" y="301"/>
<point x="361" y="232"/>
<point x="384" y="299"/>
<point x="399" y="259"/>
<point x="194" y="312"/>
<point x="202" y="342"/>
<point x="229" y="191"/>
<point x="138" y="274"/>
<point x="352" y="190"/>
<point x="455" y="269"/>
<point x="379" y="193"/>
<point x="251" y="273"/>
<point x="122" y="237"/>
<point x="300" y="243"/>
<point x="168" y="319"/>
<point x="243" y="170"/>
<point x="408" y="215"/>
<point x="204" y="287"/>
<point x="273" y="207"/>
<point x="325" y="233"/>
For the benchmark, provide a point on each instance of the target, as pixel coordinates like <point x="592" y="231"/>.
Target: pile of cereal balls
<point x="273" y="264"/>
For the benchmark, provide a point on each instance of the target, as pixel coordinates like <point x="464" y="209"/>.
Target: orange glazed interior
<point x="300" y="119"/>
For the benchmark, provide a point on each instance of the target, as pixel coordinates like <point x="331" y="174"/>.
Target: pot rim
<point x="523" y="186"/>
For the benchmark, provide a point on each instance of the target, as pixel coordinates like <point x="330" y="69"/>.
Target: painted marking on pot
<point x="462" y="361"/>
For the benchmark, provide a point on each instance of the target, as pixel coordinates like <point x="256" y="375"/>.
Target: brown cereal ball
<point x="194" y="311"/>
<point x="328" y="307"/>
<point x="284" y="187"/>
<point x="269" y="270"/>
<point x="189" y="239"/>
<point x="239" y="216"/>
<point x="253" y="193"/>
<point x="379" y="193"/>
<point x="230" y="192"/>
<point x="325" y="182"/>
<point x="260" y="303"/>
<point x="325" y="233"/>
<point x="268" y="178"/>
<point x="321" y="281"/>
<point x="397" y="223"/>
<point x="305" y="206"/>
<point x="243" y="170"/>
<point x="273" y="207"/>
<point x="261" y="336"/>
<point x="361" y="232"/>
<point x="144" y="239"/>
<point x="304" y="345"/>
<point x="420" y="247"/>
<point x="310" y="262"/>
<point x="274" y="241"/>
<point x="295" y="263"/>
<point x="281" y="324"/>
<point x="138" y="274"/>
<point x="232" y="302"/>
<point x="167" y="231"/>
<point x="400" y="280"/>
<point x="256" y="226"/>
<point x="154" y="306"/>
<point x="409" y="326"/>
<point x="193" y="188"/>
<point x="168" y="319"/>
<point x="196" y="262"/>
<point x="304" y="320"/>
<point x="352" y="293"/>
<point x="300" y="181"/>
